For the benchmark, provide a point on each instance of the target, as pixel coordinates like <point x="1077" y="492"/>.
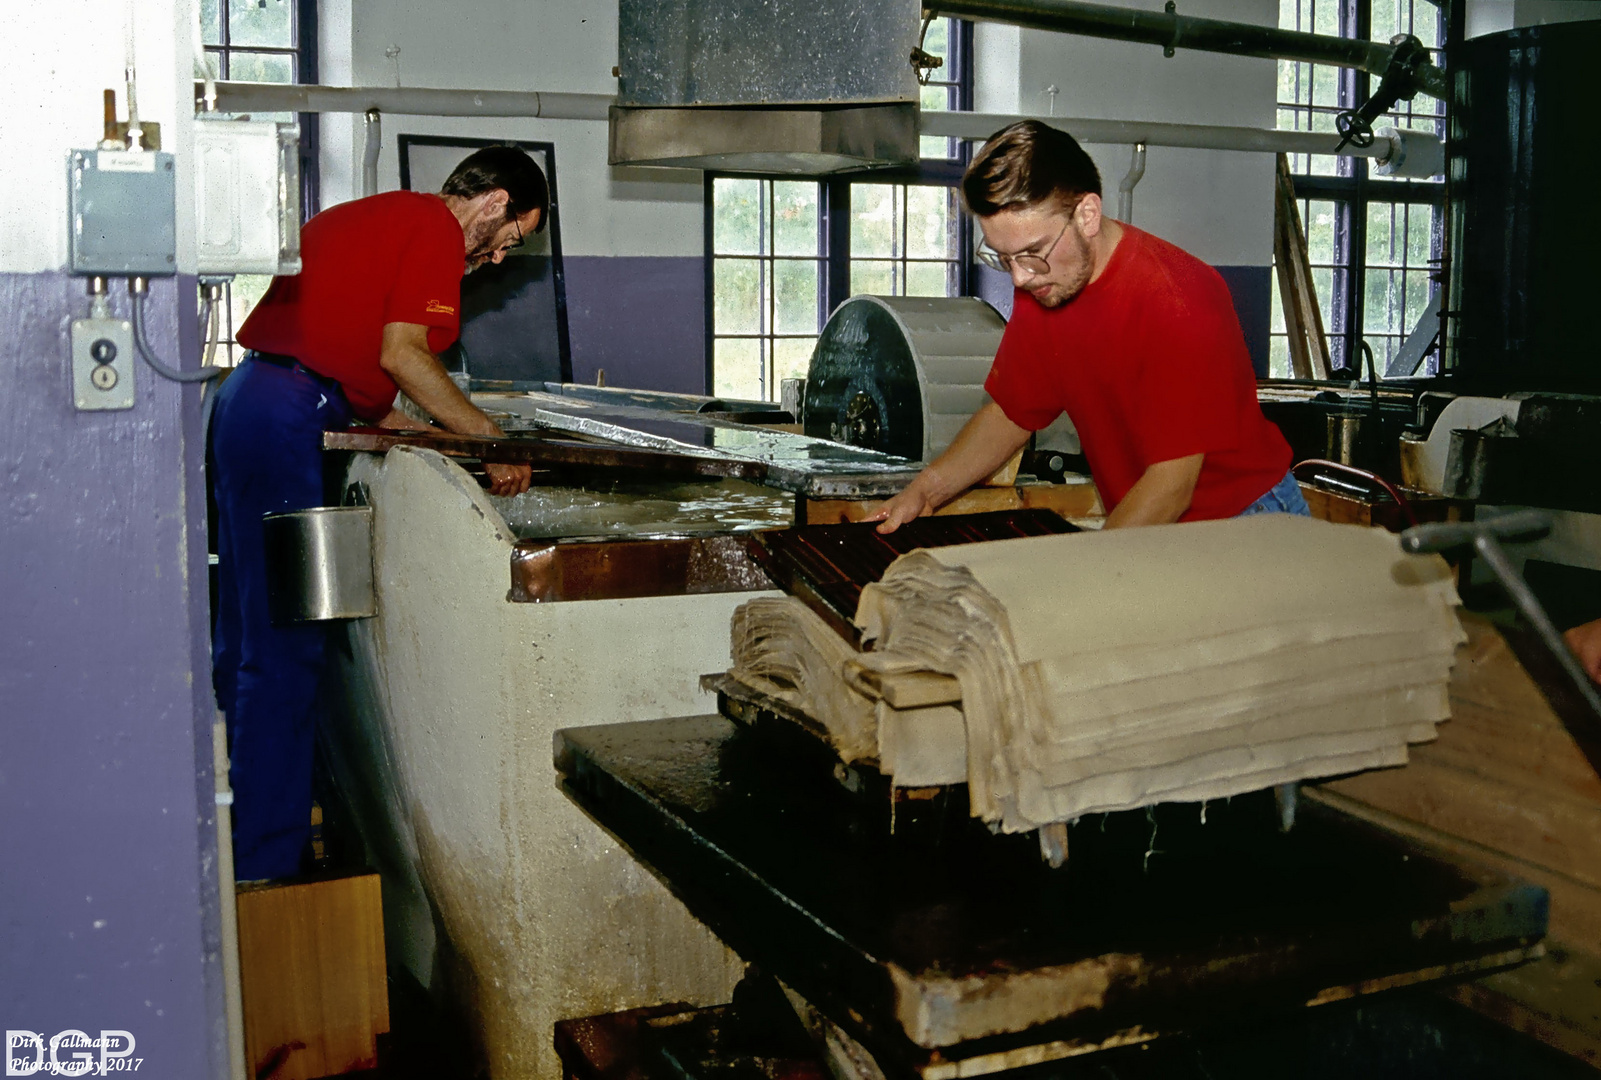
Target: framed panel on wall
<point x="513" y="315"/>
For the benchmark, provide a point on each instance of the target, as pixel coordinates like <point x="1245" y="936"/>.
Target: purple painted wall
<point x="108" y="894"/>
<point x="643" y="319"/>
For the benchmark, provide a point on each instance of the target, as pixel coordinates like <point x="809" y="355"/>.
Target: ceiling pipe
<point x="247" y="97"/>
<point x="1174" y="31"/>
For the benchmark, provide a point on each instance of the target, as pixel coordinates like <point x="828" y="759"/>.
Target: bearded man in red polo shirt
<point x="378" y="297"/>
<point x="1136" y="340"/>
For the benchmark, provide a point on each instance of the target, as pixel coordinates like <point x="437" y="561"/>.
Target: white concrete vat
<point x="454" y="694"/>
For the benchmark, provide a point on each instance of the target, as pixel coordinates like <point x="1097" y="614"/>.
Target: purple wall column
<point x="643" y="319"/>
<point x="108" y="896"/>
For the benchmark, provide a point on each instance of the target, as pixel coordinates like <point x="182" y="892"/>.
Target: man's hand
<point x="1585" y="641"/>
<point x="913" y="502"/>
<point x="508" y="479"/>
<point x="983" y="445"/>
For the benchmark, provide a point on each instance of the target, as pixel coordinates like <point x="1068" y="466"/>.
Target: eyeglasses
<point x="1034" y="264"/>
<point x="514" y="245"/>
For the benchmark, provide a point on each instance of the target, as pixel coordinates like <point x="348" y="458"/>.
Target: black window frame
<point x="834" y="208"/>
<point x="1353" y="189"/>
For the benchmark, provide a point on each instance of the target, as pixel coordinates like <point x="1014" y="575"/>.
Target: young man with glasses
<point x="1136" y="340"/>
<point x="377" y="298"/>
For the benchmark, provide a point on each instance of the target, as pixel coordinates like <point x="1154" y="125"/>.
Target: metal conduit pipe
<point x="369" y="152"/>
<point x="1125" y="186"/>
<point x="1174" y="31"/>
<point x="966" y="125"/>
<point x="246" y="97"/>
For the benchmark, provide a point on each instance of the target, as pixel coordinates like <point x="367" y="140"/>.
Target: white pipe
<point x="1125" y="186"/>
<point x="975" y="126"/>
<point x="243" y="97"/>
<point x="369" y="153"/>
<point x="136" y="131"/>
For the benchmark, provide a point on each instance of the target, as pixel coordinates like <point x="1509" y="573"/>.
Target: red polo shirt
<point x="1150" y="364"/>
<point x="395" y="257"/>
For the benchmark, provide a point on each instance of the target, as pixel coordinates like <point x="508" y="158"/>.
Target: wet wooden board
<point x="967" y="955"/>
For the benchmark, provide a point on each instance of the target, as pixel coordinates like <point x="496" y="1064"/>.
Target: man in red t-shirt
<point x="378" y="297"/>
<point x="1136" y="340"/>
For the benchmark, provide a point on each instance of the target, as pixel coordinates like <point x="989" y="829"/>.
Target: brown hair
<point x="1025" y="164"/>
<point x="506" y="168"/>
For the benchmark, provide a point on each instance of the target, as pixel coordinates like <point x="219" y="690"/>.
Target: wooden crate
<point x="311" y="960"/>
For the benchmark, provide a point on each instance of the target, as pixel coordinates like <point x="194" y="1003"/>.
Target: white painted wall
<point x="564" y="45"/>
<point x="64" y="54"/>
<point x="1218" y="205"/>
<point x="1492" y="16"/>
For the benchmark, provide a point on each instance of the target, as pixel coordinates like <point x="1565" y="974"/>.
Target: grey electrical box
<point x="122" y="212"/>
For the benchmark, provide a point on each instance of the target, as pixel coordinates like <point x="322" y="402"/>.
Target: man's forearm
<point x="1160" y="496"/>
<point x="424" y="379"/>
<point x="983" y="445"/>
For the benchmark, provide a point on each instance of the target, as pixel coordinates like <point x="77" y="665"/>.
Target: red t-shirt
<point x="1150" y="364"/>
<point x="395" y="257"/>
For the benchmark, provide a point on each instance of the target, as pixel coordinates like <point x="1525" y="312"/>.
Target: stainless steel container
<point x="319" y="564"/>
<point x="1345" y="438"/>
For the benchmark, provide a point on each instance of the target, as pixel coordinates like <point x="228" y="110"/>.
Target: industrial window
<point x="782" y="253"/>
<point x="263" y="41"/>
<point x="1374" y="243"/>
<point x="906" y="240"/>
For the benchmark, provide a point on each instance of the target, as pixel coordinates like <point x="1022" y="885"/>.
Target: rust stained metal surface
<point x="547" y="452"/>
<point x="825" y="566"/>
<point x="955" y="953"/>
<point x="548" y="571"/>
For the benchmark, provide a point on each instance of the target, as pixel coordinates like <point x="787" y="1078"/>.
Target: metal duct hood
<point x="807" y="141"/>
<point x="772" y="86"/>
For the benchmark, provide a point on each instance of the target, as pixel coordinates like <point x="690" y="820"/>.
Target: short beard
<point x="1084" y="268"/>
<point x="479" y="236"/>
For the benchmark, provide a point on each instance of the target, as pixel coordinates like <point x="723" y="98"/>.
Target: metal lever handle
<point x="1517" y="527"/>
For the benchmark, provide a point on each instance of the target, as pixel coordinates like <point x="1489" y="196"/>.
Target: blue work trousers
<point x="1283" y="497"/>
<point x="266" y="457"/>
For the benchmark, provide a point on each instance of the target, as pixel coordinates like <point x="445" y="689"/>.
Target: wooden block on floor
<point x="311" y="961"/>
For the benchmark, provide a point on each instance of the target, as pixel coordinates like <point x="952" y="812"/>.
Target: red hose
<point x="1363" y="474"/>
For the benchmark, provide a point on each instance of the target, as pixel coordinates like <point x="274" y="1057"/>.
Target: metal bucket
<point x="319" y="564"/>
<point x="1345" y="443"/>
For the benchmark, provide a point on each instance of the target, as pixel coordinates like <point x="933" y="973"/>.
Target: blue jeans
<point x="1283" y="497"/>
<point x="265" y="457"/>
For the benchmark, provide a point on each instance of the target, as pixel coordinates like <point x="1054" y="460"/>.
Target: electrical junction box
<point x="247" y="187"/>
<point x="102" y="364"/>
<point x="122" y="213"/>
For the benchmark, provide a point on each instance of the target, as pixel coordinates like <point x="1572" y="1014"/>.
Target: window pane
<point x="261" y="67"/>
<point x="1319" y="225"/>
<point x="1323" y="282"/>
<point x="211" y="21"/>
<point x="796" y="301"/>
<point x="735" y="214"/>
<point x="737" y="368"/>
<point x="1384" y="20"/>
<point x="927" y="279"/>
<point x="1278" y="359"/>
<point x="1420" y="235"/>
<point x="1418" y="290"/>
<point x="1382" y="307"/>
<point x="736" y="307"/>
<point x="244" y="292"/>
<point x="873" y="231"/>
<point x="932" y="146"/>
<point x="1384" y="220"/>
<point x="872" y="277"/>
<point x="791" y="358"/>
<point x="928" y="223"/>
<point x="262" y="22"/>
<point x="1276" y="305"/>
<point x="795" y="218"/>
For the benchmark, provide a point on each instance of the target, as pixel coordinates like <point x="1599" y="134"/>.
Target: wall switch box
<point x="102" y="364"/>
<point x="122" y="213"/>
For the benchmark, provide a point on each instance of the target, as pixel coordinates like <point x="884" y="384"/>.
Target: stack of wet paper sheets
<point x="1108" y="671"/>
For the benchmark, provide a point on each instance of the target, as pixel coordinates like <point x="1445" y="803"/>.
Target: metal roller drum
<point x="902" y="374"/>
